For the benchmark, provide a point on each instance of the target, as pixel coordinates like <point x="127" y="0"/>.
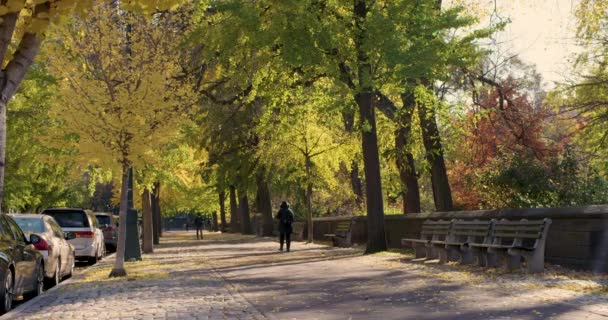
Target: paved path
<point x="173" y="283"/>
<point x="235" y="277"/>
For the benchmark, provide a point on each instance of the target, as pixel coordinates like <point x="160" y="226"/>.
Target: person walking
<point x="285" y="217"/>
<point x="198" y="223"/>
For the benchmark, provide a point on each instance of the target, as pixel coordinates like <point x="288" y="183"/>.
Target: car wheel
<point x="39" y="286"/>
<point x="51" y="282"/>
<point x="6" y="297"/>
<point x="39" y="280"/>
<point x="72" y="266"/>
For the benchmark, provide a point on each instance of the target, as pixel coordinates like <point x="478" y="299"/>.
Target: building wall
<point x="578" y="236"/>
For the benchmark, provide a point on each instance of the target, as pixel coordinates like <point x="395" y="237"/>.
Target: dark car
<point x="109" y="225"/>
<point x="21" y="265"/>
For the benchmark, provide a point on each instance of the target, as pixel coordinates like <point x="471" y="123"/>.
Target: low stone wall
<point x="578" y="236"/>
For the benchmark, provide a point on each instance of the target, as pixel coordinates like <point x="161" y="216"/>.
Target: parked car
<point x="21" y="265"/>
<point x="89" y="237"/>
<point x="58" y="254"/>
<point x="109" y="226"/>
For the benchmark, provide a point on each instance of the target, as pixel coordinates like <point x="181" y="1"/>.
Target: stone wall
<point x="578" y="236"/>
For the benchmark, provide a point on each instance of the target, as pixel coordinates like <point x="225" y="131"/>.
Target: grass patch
<point x="136" y="270"/>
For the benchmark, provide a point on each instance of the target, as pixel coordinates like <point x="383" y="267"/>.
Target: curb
<point x="14" y="313"/>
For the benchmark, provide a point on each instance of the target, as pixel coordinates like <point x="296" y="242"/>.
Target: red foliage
<point x="503" y="120"/>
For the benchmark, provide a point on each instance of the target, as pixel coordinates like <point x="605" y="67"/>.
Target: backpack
<point x="286" y="217"/>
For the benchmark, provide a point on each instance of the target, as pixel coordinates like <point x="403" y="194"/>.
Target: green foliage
<point x="40" y="174"/>
<point x="521" y="181"/>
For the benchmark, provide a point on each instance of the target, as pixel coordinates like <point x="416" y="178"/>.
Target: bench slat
<point x="415" y="240"/>
<point x="468" y="233"/>
<point x="454" y="243"/>
<point x="517" y="228"/>
<point x="470" y="227"/>
<point x="529" y="222"/>
<point x="472" y="222"/>
<point x="518" y="235"/>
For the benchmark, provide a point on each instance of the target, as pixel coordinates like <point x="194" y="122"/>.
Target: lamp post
<point x="132" y="248"/>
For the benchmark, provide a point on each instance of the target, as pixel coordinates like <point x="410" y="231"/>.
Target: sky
<point x="541" y="32"/>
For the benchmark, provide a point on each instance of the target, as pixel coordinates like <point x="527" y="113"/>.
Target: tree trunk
<point x="308" y="165"/>
<point x="244" y="211"/>
<point x="222" y="195"/>
<point x="156" y="214"/>
<point x="264" y="205"/>
<point x="442" y="195"/>
<point x="119" y="269"/>
<point x="155" y="238"/>
<point x="355" y="182"/>
<point x="376" y="239"/>
<point x="234" y="226"/>
<point x="148" y="223"/>
<point x="405" y="159"/>
<point x="214" y="217"/>
<point x="2" y="152"/>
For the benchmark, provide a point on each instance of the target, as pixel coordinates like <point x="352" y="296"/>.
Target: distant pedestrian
<point x="285" y="217"/>
<point x="198" y="223"/>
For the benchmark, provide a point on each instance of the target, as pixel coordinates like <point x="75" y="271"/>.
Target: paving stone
<point x="188" y="293"/>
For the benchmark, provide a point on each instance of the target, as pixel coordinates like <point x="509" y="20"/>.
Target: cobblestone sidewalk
<point x="230" y="276"/>
<point x="172" y="283"/>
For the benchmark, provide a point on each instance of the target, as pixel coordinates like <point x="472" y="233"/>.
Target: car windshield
<point x="30" y="225"/>
<point x="70" y="219"/>
<point x="104" y="220"/>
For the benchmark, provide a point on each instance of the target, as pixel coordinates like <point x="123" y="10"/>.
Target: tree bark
<point x="222" y="196"/>
<point x="234" y="226"/>
<point x="405" y="159"/>
<point x="7" y="27"/>
<point x="148" y="237"/>
<point x="442" y="194"/>
<point x="214" y="217"/>
<point x="156" y="214"/>
<point x="2" y="152"/>
<point x="244" y="211"/>
<point x="355" y="181"/>
<point x="308" y="165"/>
<point x="119" y="269"/>
<point x="264" y="205"/>
<point x="376" y="238"/>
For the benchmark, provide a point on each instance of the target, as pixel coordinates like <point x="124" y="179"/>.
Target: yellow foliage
<point x="122" y="93"/>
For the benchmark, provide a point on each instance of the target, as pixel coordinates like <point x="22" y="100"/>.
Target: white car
<point x="89" y="243"/>
<point x="57" y="252"/>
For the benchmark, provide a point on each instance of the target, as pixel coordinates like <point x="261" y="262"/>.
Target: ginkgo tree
<point x="122" y="90"/>
<point x="303" y="130"/>
<point x="23" y="25"/>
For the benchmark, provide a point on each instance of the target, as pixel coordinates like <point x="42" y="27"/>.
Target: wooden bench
<point x="462" y="234"/>
<point x="488" y="241"/>
<point x="517" y="240"/>
<point x="432" y="237"/>
<point x="342" y="235"/>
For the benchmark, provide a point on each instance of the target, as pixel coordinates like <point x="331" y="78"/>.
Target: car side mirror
<point x="34" y="239"/>
<point x="69" y="235"/>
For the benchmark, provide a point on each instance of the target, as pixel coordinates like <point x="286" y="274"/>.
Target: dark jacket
<point x="285" y="217"/>
<point x="198" y="222"/>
